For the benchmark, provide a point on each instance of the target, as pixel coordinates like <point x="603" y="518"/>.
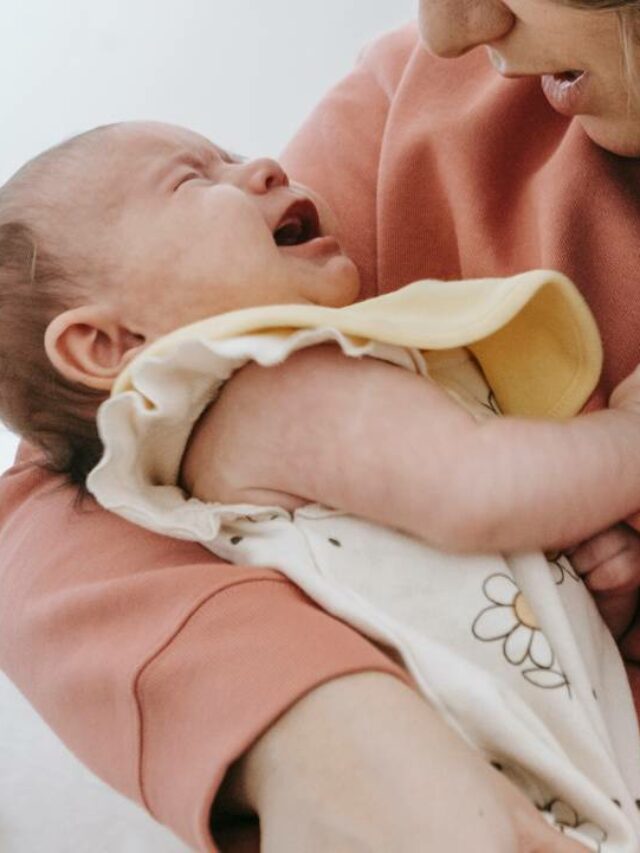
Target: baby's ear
<point x="88" y="345"/>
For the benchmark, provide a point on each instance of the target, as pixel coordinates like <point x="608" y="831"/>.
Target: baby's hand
<point x="609" y="564"/>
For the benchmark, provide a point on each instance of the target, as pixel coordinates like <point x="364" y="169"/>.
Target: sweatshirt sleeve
<point x="155" y="664"/>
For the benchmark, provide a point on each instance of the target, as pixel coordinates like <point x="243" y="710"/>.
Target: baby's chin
<point x="339" y="285"/>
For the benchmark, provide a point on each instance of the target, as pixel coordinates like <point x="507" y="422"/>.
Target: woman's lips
<point x="566" y="92"/>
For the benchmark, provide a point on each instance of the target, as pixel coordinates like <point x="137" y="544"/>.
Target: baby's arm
<point x="380" y="442"/>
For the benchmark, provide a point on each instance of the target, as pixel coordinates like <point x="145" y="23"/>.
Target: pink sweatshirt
<point x="159" y="666"/>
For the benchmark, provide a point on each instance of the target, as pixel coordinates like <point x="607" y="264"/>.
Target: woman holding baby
<point x="207" y="681"/>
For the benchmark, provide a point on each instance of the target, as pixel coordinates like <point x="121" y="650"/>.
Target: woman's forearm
<point x="324" y="778"/>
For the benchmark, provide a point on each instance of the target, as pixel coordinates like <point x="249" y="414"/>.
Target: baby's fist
<point x="609" y="564"/>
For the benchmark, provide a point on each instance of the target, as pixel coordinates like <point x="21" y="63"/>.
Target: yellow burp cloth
<point x="532" y="334"/>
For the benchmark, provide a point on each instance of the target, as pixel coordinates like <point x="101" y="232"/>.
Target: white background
<point x="242" y="72"/>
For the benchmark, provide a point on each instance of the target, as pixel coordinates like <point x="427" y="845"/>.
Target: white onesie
<point x="510" y="648"/>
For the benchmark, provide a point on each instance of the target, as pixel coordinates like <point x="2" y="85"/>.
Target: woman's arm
<point x="157" y="664"/>
<point x="420" y="787"/>
<point x="380" y="442"/>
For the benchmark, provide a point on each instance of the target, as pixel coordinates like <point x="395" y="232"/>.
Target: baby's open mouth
<point x="299" y="224"/>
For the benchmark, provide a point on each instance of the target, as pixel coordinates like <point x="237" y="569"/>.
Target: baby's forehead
<point x="93" y="179"/>
<point x="114" y="162"/>
<point x="145" y="141"/>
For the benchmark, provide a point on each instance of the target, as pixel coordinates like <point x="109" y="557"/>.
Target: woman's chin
<point x="619" y="136"/>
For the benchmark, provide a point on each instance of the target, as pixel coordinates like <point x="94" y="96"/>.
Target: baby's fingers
<point x="620" y="574"/>
<point x="610" y="560"/>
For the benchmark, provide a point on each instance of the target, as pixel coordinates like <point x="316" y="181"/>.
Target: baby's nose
<point x="260" y="176"/>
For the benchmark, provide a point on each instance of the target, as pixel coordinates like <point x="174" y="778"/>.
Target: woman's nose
<point x="452" y="27"/>
<point x="260" y="176"/>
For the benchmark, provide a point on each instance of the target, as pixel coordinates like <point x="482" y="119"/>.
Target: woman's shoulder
<point x="388" y="55"/>
<point x="397" y="59"/>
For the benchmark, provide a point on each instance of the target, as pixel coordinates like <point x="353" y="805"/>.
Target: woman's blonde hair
<point x="628" y="13"/>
